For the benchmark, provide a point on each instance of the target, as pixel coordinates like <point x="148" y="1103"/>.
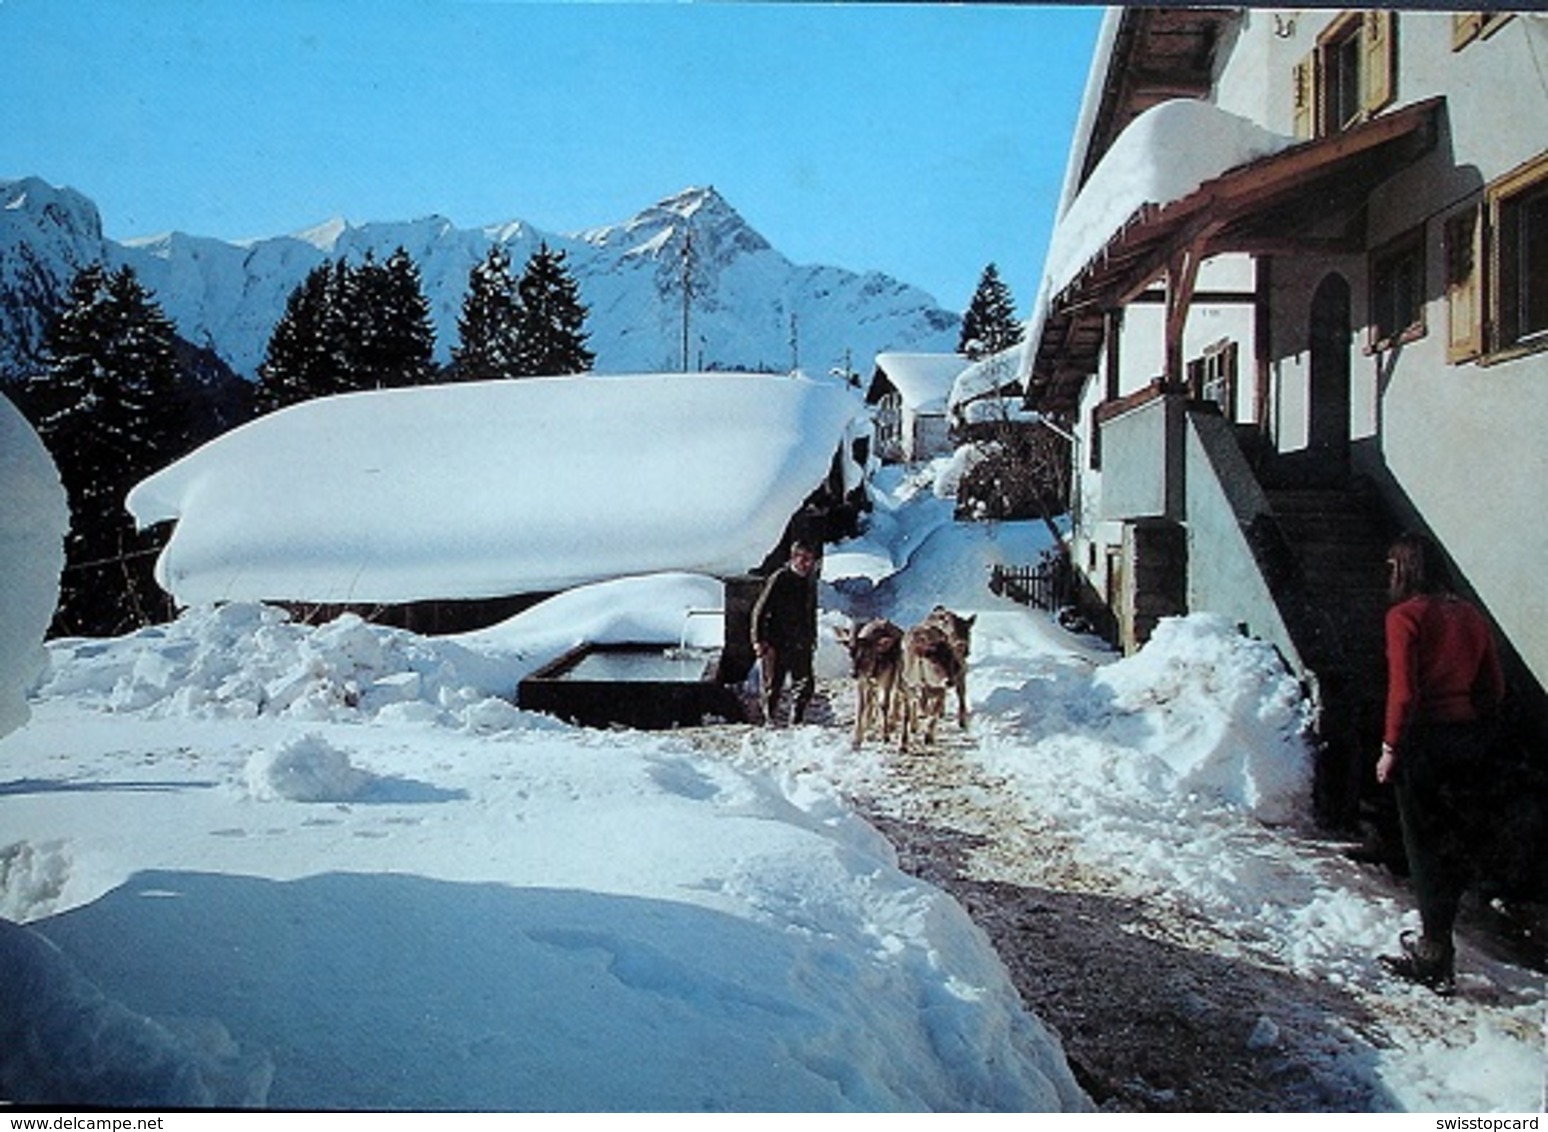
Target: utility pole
<point x="687" y="278"/>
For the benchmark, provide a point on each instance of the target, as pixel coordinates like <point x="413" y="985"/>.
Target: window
<point x="1518" y="214"/>
<point x="1212" y="377"/>
<point x="1497" y="268"/>
<point x="1397" y="291"/>
<point x="1349" y="76"/>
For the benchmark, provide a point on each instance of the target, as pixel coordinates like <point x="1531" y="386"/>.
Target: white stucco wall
<point x="1462" y="444"/>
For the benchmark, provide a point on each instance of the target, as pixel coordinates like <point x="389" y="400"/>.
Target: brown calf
<point x="876" y="653"/>
<point x="959" y="633"/>
<point x="930" y="666"/>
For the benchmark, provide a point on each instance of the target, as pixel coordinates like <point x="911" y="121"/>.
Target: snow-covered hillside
<point x="752" y="308"/>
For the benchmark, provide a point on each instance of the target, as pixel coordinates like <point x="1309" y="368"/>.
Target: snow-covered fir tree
<point x="552" y="318"/>
<point x="111" y="407"/>
<point x="489" y="345"/>
<point x="990" y="323"/>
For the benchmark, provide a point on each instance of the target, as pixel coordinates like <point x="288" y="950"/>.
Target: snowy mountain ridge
<point x="750" y="307"/>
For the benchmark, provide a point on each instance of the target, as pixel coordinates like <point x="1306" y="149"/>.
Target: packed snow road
<point x="1191" y="957"/>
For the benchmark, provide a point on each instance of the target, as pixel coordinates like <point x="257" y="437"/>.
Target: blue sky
<point x="922" y="140"/>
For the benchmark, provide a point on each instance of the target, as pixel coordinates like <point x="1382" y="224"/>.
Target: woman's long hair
<point x="1415" y="566"/>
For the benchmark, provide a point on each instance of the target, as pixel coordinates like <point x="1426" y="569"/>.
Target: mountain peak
<point x="325" y="236"/>
<point x="61" y="208"/>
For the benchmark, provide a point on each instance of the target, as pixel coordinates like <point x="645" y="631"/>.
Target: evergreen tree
<point x="112" y="409"/>
<point x="552" y="317"/>
<point x="388" y="336"/>
<point x="347" y="328"/>
<point x="488" y="328"/>
<point x="407" y="342"/>
<point x="301" y="360"/>
<point x="990" y="324"/>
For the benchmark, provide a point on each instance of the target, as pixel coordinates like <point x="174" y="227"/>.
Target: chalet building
<point x="1297" y="300"/>
<point x="910" y="393"/>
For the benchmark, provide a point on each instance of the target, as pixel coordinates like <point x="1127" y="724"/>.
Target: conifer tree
<point x="301" y="360"/>
<point x="112" y="410"/>
<point x="346" y="328"/>
<point x="552" y="317"/>
<point x="990" y="324"/>
<point x="489" y="325"/>
<point x="392" y="340"/>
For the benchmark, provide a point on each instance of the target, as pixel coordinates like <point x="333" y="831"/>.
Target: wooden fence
<point x="1046" y="585"/>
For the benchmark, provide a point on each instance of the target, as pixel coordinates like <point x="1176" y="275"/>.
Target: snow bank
<point x="34" y="517"/>
<point x="1201" y="717"/>
<point x="492" y="488"/>
<point x="62" y="1037"/>
<point x="1229" y="720"/>
<point x="244" y="660"/>
<point x="384" y="904"/>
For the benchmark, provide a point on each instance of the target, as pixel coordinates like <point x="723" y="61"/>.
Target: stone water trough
<point x="651" y="686"/>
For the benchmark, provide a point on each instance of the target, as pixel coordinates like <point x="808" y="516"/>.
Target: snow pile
<point x="1201" y="720"/>
<point x="245" y="660"/>
<point x="308" y="769"/>
<point x="1227" y="718"/>
<point x="492" y="488"/>
<point x="242" y="661"/>
<point x="34" y="517"/>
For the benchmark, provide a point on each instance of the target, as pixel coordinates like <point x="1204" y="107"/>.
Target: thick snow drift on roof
<point x="1164" y="154"/>
<point x="989" y="376"/>
<point x="922" y="380"/>
<point x="34" y="517"/>
<point x="490" y="488"/>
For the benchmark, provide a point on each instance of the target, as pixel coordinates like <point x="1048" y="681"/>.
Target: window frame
<point x="1355" y="53"/>
<point x="1407" y="248"/>
<point x="1528" y="182"/>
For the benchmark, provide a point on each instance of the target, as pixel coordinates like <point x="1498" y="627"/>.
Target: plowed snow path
<point x="1161" y="1005"/>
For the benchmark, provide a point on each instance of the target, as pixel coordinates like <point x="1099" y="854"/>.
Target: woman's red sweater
<point x="1442" y="666"/>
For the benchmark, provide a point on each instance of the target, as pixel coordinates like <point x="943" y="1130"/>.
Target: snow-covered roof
<point x="1164" y="154"/>
<point x="922" y="380"/>
<point x="989" y="376"/>
<point x="1167" y="152"/>
<point x="491" y="488"/>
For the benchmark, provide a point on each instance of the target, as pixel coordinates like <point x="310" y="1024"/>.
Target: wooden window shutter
<point x="1464" y="285"/>
<point x="1304" y="114"/>
<point x="1233" y="355"/>
<point x="1465" y="27"/>
<point x="1379" y="63"/>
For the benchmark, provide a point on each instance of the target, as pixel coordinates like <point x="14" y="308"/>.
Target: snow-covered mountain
<point x="751" y="307"/>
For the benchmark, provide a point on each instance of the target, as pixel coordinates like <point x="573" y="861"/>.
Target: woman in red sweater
<point x="1444" y="688"/>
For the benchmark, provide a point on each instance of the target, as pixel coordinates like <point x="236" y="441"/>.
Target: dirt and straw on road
<point x="1158" y="1008"/>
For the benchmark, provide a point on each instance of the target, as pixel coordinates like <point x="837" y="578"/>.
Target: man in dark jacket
<point x="784" y="631"/>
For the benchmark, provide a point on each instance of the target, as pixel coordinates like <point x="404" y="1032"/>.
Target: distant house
<point x="910" y="394"/>
<point x="1297" y="299"/>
